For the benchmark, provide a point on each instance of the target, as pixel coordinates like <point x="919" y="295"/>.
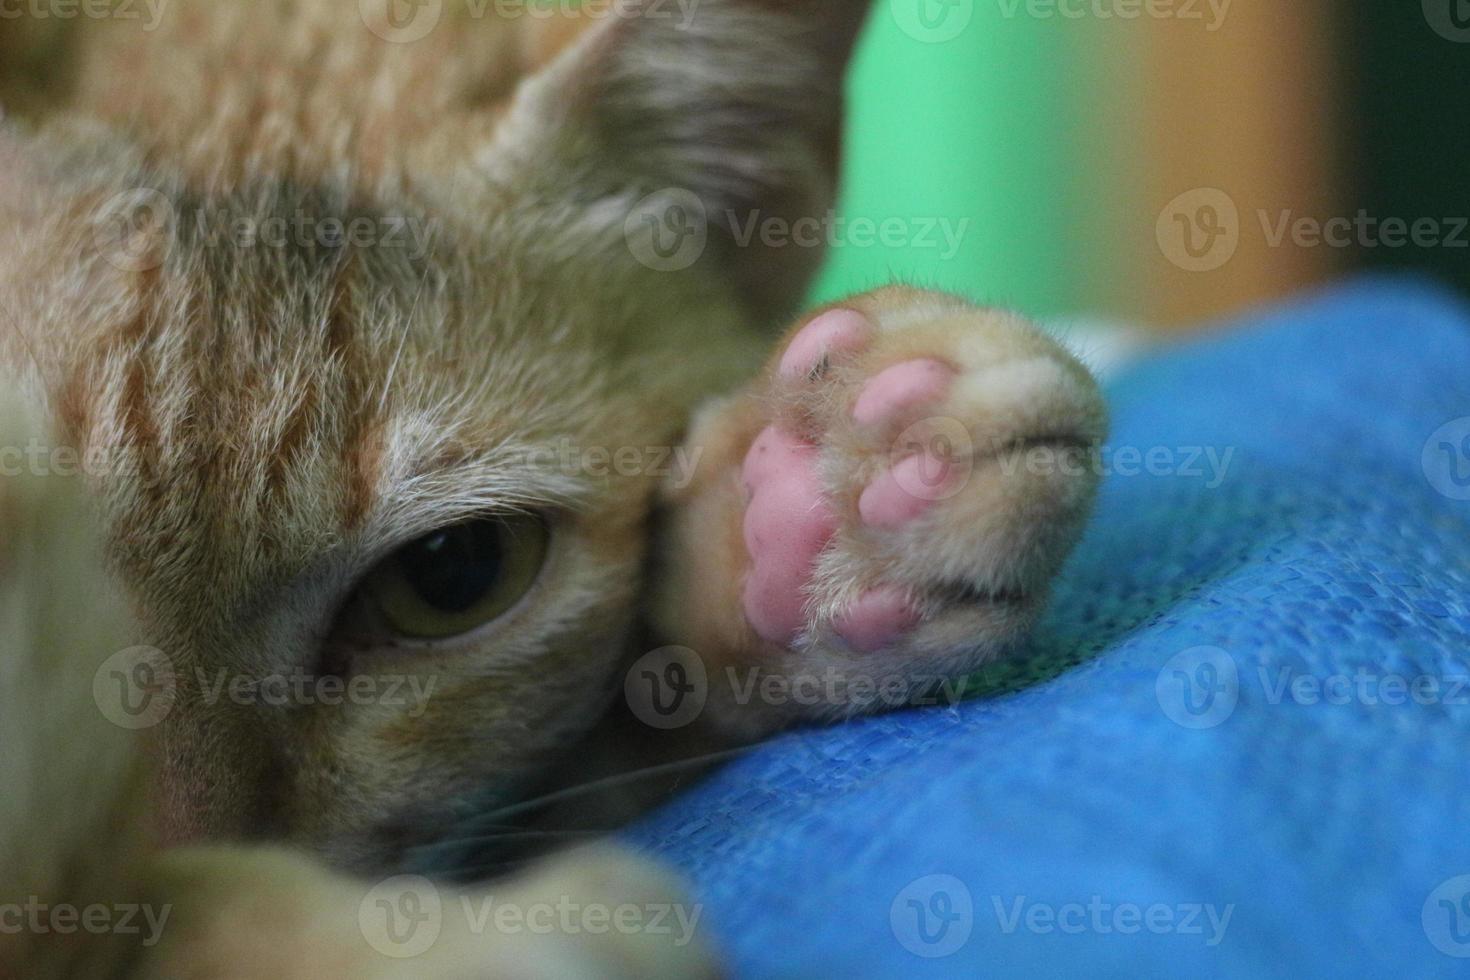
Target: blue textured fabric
<point x="1143" y="764"/>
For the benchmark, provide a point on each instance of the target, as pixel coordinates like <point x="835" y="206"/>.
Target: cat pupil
<point x="454" y="569"/>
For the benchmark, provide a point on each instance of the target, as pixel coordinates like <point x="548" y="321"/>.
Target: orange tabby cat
<point x="404" y="344"/>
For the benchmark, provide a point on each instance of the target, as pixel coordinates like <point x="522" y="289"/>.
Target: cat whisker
<point x="522" y="835"/>
<point x="493" y="869"/>
<point x="612" y="782"/>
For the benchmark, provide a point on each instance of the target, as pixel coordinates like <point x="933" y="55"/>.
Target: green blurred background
<point x="991" y="131"/>
<point x="1061" y="130"/>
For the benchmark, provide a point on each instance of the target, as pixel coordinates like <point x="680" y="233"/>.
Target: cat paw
<point x="909" y="474"/>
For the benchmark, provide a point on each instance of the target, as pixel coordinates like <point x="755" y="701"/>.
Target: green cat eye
<point x="459" y="578"/>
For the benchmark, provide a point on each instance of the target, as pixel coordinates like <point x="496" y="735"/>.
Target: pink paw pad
<point x="908" y="489"/>
<point x="773" y="453"/>
<point x="901" y="387"/>
<point x="877" y="620"/>
<point x="833" y="331"/>
<point x="787" y="524"/>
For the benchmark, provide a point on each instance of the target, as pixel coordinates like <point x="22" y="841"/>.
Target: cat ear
<point x="723" y="112"/>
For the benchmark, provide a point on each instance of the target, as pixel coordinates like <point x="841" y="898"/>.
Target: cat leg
<point x="882" y="509"/>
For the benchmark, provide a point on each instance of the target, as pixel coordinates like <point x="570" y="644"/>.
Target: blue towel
<point x="1239" y="744"/>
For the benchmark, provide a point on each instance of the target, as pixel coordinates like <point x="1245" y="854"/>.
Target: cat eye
<point x="458" y="578"/>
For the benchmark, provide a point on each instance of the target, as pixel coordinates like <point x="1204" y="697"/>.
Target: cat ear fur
<point x="737" y="103"/>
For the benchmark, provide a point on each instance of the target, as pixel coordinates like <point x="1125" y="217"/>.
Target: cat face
<point x="381" y="497"/>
